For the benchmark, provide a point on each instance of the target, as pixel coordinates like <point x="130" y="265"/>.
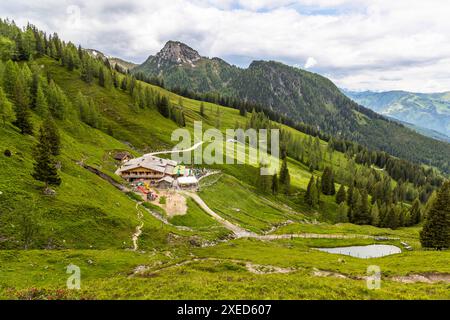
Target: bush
<point x="7" y="153"/>
<point x="134" y="196"/>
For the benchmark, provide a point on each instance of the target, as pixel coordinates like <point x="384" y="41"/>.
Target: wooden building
<point x="123" y="156"/>
<point x="146" y="168"/>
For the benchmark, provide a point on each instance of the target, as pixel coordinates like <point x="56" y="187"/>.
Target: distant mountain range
<point x="423" y="110"/>
<point x="294" y="94"/>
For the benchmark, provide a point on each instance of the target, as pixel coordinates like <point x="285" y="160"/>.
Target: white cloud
<point x="361" y="44"/>
<point x="310" y="62"/>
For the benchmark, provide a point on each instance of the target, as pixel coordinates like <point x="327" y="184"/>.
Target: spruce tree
<point x="58" y="103"/>
<point x="202" y="109"/>
<point x="124" y="84"/>
<point x="87" y="72"/>
<point x="6" y="108"/>
<point x="327" y="185"/>
<point x="275" y="185"/>
<point x="361" y="214"/>
<point x="311" y="195"/>
<point x="285" y="179"/>
<point x="45" y="167"/>
<point x="415" y="212"/>
<point x="375" y="215"/>
<point x="391" y="218"/>
<point x="34" y="89"/>
<point x="41" y="103"/>
<point x="101" y="77"/>
<point x="341" y="214"/>
<point x="163" y="106"/>
<point x="341" y="195"/>
<point x="9" y="78"/>
<point x="264" y="182"/>
<point x="22" y="110"/>
<point x="436" y="230"/>
<point x="52" y="136"/>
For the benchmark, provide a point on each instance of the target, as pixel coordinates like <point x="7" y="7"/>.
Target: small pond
<point x="370" y="251"/>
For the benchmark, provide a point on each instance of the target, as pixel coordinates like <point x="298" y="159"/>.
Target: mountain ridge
<point x="292" y="93"/>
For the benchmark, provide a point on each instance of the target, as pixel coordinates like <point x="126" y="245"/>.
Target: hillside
<point x="424" y="131"/>
<point x="427" y="110"/>
<point x="294" y="94"/>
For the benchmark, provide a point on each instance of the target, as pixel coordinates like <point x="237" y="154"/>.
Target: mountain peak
<point x="179" y="53"/>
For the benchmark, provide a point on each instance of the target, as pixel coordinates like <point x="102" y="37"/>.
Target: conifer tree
<point x="415" y="212"/>
<point x="87" y="72"/>
<point x="327" y="182"/>
<point x="101" y="77"/>
<point x="436" y="230"/>
<point x="361" y="214"/>
<point x="6" y="108"/>
<point x="163" y="106"/>
<point x="275" y="185"/>
<point x="45" y="167"/>
<point x="285" y="179"/>
<point x="350" y="201"/>
<point x="34" y="89"/>
<point x="202" y="109"/>
<point x="391" y="218"/>
<point x="22" y="110"/>
<point x="52" y="136"/>
<point x="341" y="214"/>
<point x="312" y="194"/>
<point x="124" y="84"/>
<point x="41" y="103"/>
<point x="341" y="195"/>
<point x="9" y="78"/>
<point x="375" y="215"/>
<point x="242" y="111"/>
<point x="7" y="49"/>
<point x="58" y="103"/>
<point x="264" y="182"/>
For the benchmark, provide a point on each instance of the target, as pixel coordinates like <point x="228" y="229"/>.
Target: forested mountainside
<point x="289" y="93"/>
<point x="427" y="110"/>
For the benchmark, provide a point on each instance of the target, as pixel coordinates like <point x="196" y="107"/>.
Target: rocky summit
<point x="178" y="53"/>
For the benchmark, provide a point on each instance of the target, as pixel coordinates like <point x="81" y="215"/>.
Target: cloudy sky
<point x="359" y="44"/>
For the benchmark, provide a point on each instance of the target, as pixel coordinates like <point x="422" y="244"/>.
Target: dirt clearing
<point x="175" y="203"/>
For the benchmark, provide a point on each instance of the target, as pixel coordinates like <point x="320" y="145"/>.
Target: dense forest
<point x="391" y="197"/>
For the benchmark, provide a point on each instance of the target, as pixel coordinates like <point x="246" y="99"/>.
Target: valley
<point x="239" y="235"/>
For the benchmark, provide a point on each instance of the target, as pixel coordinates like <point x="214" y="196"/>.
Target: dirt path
<point x="138" y="232"/>
<point x="238" y="231"/>
<point x="195" y="146"/>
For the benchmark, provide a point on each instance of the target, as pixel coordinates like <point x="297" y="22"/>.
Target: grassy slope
<point x="87" y="212"/>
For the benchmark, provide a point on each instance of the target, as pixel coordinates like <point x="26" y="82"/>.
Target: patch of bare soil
<point x="431" y="277"/>
<point x="266" y="269"/>
<point x="324" y="273"/>
<point x="148" y="271"/>
<point x="175" y="202"/>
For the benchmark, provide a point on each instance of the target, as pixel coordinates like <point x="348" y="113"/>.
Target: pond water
<point x="370" y="251"/>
